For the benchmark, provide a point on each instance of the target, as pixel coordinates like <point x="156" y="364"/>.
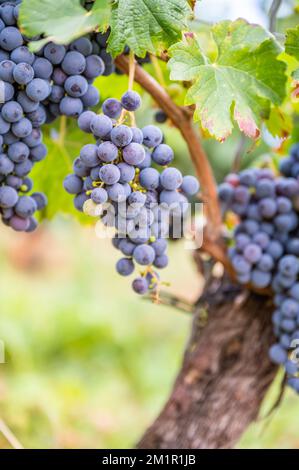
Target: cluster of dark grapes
<point x="265" y="251"/>
<point x="22" y="92"/>
<point x="115" y="179"/>
<point x="36" y="89"/>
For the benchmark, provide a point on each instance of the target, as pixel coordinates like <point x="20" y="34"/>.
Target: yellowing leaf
<point x="239" y="85"/>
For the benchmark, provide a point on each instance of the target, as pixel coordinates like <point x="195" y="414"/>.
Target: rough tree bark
<point x="224" y="377"/>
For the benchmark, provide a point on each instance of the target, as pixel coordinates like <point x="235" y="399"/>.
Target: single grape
<point x="260" y="279"/>
<point x="22" y="128"/>
<point x="84" y="121"/>
<point x="110" y="174"/>
<point x="19" y="224"/>
<point x="101" y="125"/>
<point x="91" y="97"/>
<point x="133" y="154"/>
<point x="149" y="179"/>
<point x="94" y="67"/>
<point x="74" y="63"/>
<point x="22" y="54"/>
<point x="163" y="155"/>
<point x="71" y="107"/>
<point x="82" y="45"/>
<point x="144" y="255"/>
<point x="125" y="267"/>
<point x="131" y="101"/>
<point x="140" y="285"/>
<point x="6" y="165"/>
<point x="8" y="197"/>
<point x="38" y="89"/>
<point x="89" y="155"/>
<point x="55" y="53"/>
<point x="107" y="152"/>
<point x="10" y="38"/>
<point x="73" y="184"/>
<point x="42" y="68"/>
<point x="38" y="152"/>
<point x="170" y="179"/>
<point x="121" y="136"/>
<point x="127" y="172"/>
<point x="152" y="136"/>
<point x="12" y="111"/>
<point x="40" y="200"/>
<point x="76" y="86"/>
<point x="18" y="152"/>
<point x="99" y="195"/>
<point x="112" y="108"/>
<point x="25" y="207"/>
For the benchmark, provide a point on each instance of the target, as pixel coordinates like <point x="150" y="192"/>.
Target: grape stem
<point x="132" y="67"/>
<point x="182" y="118"/>
<point x="158" y="71"/>
<point x="239" y="154"/>
<point x="62" y="130"/>
<point x="273" y="14"/>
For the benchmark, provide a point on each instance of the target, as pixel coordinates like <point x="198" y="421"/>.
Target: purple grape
<point x="131" y="101"/>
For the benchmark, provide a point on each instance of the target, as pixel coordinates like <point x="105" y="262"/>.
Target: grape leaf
<point x="147" y="25"/>
<point x="295" y="75"/>
<point x="240" y="84"/>
<point x="292" y="42"/>
<point x="61" y="21"/>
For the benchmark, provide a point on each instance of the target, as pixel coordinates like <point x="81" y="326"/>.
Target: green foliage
<point x="292" y="42"/>
<point x="143" y="25"/>
<point x="239" y="84"/>
<point x="292" y="46"/>
<point x="62" y="22"/>
<point x="146" y="25"/>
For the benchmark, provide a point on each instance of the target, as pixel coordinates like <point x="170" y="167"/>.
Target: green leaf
<point x="147" y="25"/>
<point x="242" y="82"/>
<point x="295" y="75"/>
<point x="61" y="21"/>
<point x="292" y="42"/>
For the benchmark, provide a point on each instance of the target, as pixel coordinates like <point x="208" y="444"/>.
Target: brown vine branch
<point x="182" y="119"/>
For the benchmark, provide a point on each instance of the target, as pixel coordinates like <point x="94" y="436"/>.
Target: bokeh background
<point x="88" y="363"/>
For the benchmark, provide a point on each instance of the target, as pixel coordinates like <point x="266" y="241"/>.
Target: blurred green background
<point x="89" y="364"/>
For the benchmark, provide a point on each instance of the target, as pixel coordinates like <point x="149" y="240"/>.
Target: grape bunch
<point x="20" y="119"/>
<point x="265" y="248"/>
<point x="115" y="179"/>
<point x="36" y="88"/>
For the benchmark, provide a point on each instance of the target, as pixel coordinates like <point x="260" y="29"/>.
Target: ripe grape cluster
<point x="117" y="178"/>
<point x="36" y="88"/>
<point x="265" y="251"/>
